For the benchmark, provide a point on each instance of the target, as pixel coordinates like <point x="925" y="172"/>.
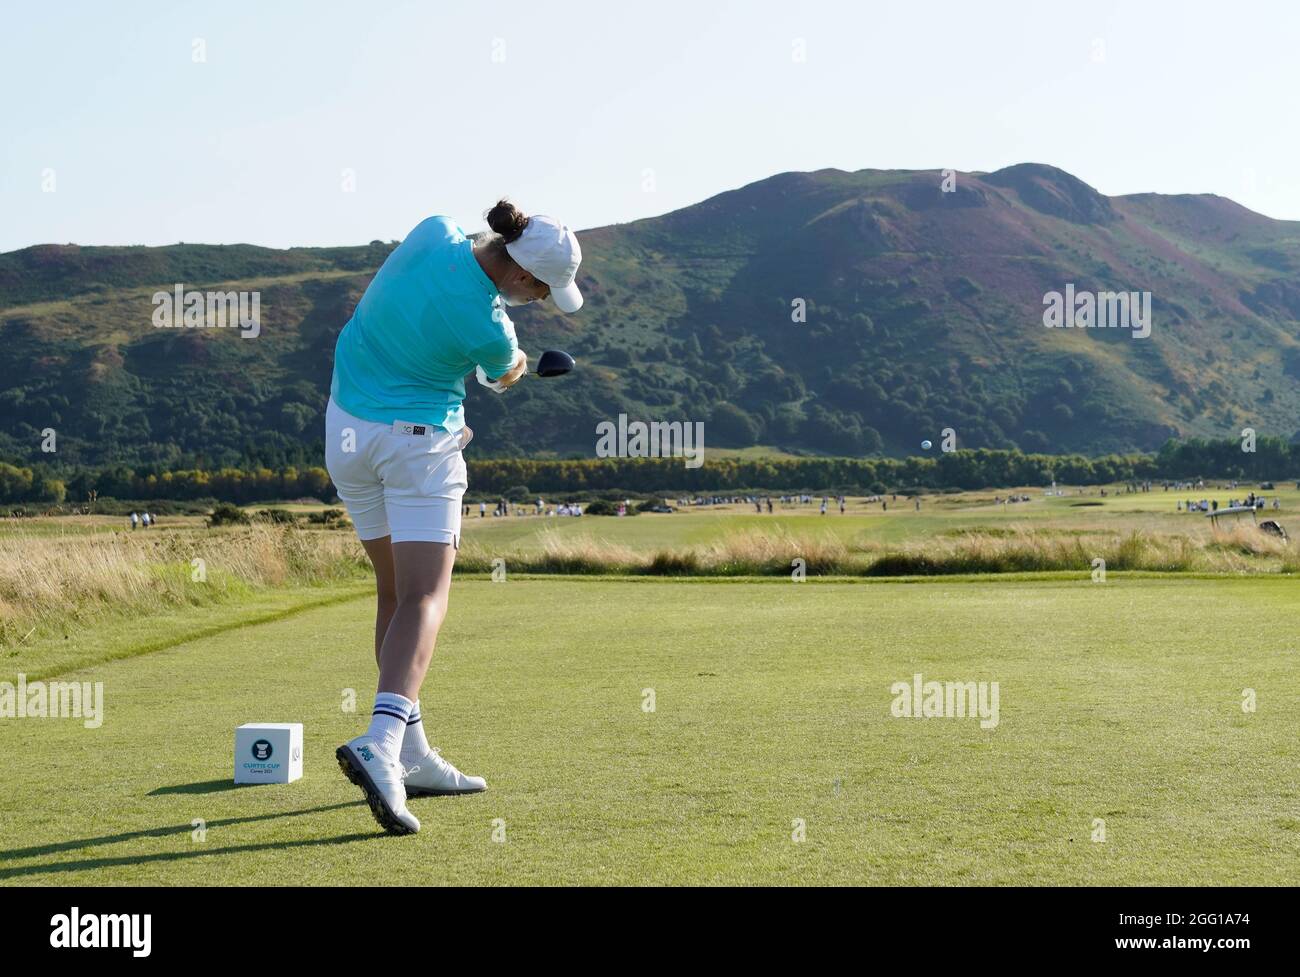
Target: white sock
<point x="414" y="744"/>
<point x="388" y="721"/>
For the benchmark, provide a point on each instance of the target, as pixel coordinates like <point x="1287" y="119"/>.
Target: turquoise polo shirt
<point x="428" y="318"/>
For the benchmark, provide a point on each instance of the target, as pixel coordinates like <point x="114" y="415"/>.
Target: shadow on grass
<point x="62" y="846"/>
<point x="88" y="864"/>
<point x="203" y="787"/>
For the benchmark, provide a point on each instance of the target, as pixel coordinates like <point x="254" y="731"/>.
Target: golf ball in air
<point x="925" y="445"/>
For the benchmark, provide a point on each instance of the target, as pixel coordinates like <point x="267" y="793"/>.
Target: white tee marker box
<point x="268" y="753"/>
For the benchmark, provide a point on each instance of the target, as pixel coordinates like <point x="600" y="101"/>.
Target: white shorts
<point x="401" y="480"/>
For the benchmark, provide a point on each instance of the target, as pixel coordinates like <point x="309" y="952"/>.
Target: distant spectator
<point x="135" y="520"/>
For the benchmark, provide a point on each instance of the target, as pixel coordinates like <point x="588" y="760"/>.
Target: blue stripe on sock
<point x="415" y="718"/>
<point x="380" y="711"/>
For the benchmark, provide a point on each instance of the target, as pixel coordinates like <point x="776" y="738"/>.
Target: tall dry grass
<point x="48" y="582"/>
<point x="759" y="552"/>
<point x="52" y="582"/>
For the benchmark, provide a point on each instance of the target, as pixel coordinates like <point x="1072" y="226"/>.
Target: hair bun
<point x="507" y="220"/>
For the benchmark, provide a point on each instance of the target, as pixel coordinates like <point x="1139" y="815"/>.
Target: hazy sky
<point x="609" y="111"/>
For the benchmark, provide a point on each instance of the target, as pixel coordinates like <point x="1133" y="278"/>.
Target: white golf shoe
<point x="432" y="775"/>
<point x="380" y="776"/>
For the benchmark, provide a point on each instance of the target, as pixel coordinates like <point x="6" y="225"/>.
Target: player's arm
<point x="517" y="369"/>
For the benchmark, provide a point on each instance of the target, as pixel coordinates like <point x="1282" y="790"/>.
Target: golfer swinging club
<point x="394" y="432"/>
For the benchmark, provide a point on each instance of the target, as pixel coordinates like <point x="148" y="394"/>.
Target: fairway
<point x="1119" y="701"/>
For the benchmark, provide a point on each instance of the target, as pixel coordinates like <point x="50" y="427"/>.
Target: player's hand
<point x="493" y="385"/>
<point x="506" y="379"/>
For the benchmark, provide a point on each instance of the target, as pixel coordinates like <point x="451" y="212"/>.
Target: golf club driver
<point x="554" y="363"/>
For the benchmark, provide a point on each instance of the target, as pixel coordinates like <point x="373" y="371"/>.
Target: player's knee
<point x="430" y="605"/>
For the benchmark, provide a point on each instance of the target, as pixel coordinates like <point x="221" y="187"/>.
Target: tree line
<point x="1271" y="458"/>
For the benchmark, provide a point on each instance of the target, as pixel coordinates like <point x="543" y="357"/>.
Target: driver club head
<point x="554" y="363"/>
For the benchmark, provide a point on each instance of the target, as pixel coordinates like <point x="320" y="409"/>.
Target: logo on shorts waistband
<point x="405" y="427"/>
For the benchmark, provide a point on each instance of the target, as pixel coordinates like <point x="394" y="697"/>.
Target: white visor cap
<point x="549" y="251"/>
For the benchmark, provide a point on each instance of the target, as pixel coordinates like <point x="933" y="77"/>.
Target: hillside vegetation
<point x="923" y="312"/>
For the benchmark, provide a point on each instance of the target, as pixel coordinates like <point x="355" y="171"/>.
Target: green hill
<point x="923" y="311"/>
